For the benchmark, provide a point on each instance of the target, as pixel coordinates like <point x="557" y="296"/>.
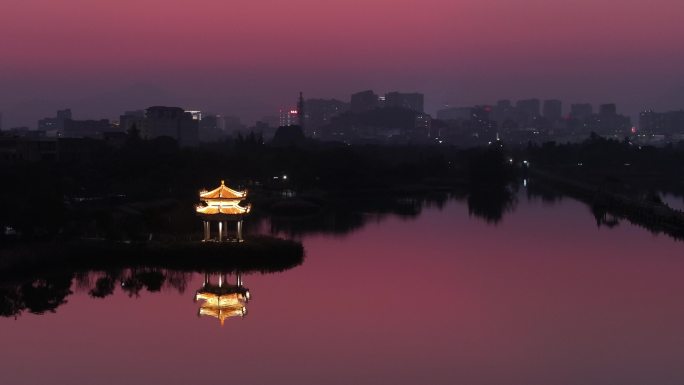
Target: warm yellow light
<point x="223" y="200"/>
<point x="223" y="314"/>
<point x="222" y="306"/>
<point x="226" y="300"/>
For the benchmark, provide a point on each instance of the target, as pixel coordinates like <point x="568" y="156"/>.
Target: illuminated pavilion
<point x="222" y="300"/>
<point x="222" y="205"/>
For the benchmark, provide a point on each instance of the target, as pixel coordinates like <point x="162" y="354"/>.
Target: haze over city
<point x="249" y="58"/>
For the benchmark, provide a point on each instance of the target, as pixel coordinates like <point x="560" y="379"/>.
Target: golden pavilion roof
<point x="222" y="201"/>
<point x="227" y="210"/>
<point x="223" y="192"/>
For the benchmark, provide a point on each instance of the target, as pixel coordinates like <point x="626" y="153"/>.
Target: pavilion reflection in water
<point x="222" y="300"/>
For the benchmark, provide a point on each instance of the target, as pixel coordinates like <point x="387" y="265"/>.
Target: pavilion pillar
<point x="239" y="279"/>
<point x="206" y="230"/>
<point x="220" y="234"/>
<point x="239" y="230"/>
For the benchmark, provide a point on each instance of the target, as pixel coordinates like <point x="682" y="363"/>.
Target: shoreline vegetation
<point x="608" y="206"/>
<point x="256" y="254"/>
<point x="616" y="179"/>
<point x="40" y="277"/>
<point x="146" y="190"/>
<point x="129" y="216"/>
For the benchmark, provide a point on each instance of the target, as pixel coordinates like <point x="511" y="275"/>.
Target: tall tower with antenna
<point x="300" y="110"/>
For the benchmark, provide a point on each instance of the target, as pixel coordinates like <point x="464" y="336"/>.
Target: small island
<point x="226" y="252"/>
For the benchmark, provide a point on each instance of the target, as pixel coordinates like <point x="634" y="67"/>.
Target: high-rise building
<point x="196" y="114"/>
<point x="503" y="111"/>
<point x="650" y="122"/>
<point x="301" y="114"/>
<point x="665" y="123"/>
<point x="132" y="118"/>
<point x="581" y="111"/>
<point x="382" y="101"/>
<point x="608" y="123"/>
<point x="86" y="128"/>
<point x="674" y="122"/>
<point x="504" y="104"/>
<point x="295" y="116"/>
<point x="608" y="109"/>
<point x="553" y="110"/>
<point x="364" y="101"/>
<point x="230" y="124"/>
<point x="530" y="107"/>
<point x="49" y="125"/>
<point x="423" y="125"/>
<point x="55" y="126"/>
<point x="412" y="101"/>
<point x="455" y="113"/>
<point x="63" y="115"/>
<point x="288" y="117"/>
<point x="319" y="112"/>
<point x="173" y="122"/>
<point x="209" y="128"/>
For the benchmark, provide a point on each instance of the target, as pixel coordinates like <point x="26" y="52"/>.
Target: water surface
<point x="542" y="296"/>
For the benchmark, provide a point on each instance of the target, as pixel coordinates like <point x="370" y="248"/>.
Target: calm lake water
<point x="542" y="297"/>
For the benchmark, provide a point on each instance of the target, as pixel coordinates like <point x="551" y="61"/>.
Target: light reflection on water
<point x="542" y="295"/>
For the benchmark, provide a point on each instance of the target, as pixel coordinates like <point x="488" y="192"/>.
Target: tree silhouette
<point x="46" y="294"/>
<point x="104" y="286"/>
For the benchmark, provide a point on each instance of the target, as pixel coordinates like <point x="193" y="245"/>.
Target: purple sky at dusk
<point x="248" y="58"/>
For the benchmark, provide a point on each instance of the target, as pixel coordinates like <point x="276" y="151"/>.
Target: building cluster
<point x="62" y="137"/>
<point x="392" y="118"/>
<point x="316" y="116"/>
<point x="666" y="126"/>
<point x="323" y="119"/>
<point x="397" y="117"/>
<point x="368" y="100"/>
<point x="532" y="120"/>
<point x="154" y="122"/>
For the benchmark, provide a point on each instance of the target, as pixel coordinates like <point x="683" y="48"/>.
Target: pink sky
<point x="247" y="58"/>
